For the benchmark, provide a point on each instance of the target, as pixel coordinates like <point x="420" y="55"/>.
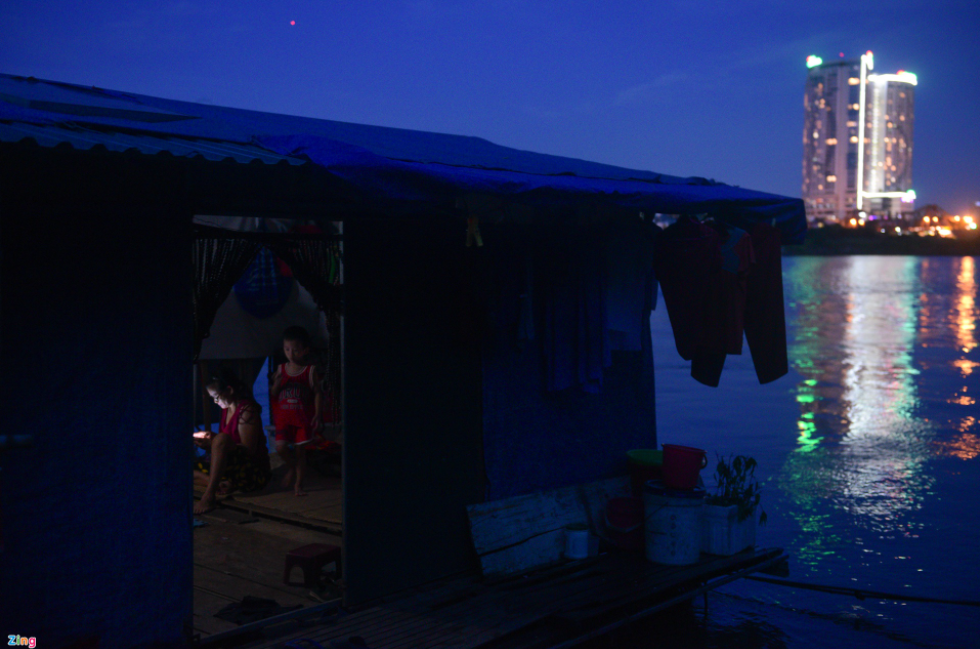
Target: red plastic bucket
<point x="682" y="465"/>
<point x="624" y="522"/>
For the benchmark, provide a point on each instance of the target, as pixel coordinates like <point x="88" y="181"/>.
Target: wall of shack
<point x="96" y="342"/>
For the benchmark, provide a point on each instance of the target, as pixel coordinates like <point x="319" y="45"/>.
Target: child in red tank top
<point x="298" y="398"/>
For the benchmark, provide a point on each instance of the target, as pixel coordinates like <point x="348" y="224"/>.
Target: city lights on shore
<point x="929" y="225"/>
<point x="944" y="226"/>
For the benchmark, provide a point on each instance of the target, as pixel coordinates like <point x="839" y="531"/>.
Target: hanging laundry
<point x="725" y="304"/>
<point x="720" y="282"/>
<point x="631" y="288"/>
<point x="594" y="286"/>
<point x="688" y="264"/>
<point x="572" y="281"/>
<point x="765" y="317"/>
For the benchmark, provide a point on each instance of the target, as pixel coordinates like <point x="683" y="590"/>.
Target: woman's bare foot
<point x="290" y="478"/>
<point x="298" y="491"/>
<point x="205" y="504"/>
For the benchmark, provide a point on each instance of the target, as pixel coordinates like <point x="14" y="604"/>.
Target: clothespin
<point x="473" y="232"/>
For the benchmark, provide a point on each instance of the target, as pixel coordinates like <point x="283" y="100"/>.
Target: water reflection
<point x="965" y="446"/>
<point x="963" y="319"/>
<point x="948" y="311"/>
<point x="863" y="330"/>
<point x="966" y="311"/>
<point x="885" y="445"/>
<point x="860" y="445"/>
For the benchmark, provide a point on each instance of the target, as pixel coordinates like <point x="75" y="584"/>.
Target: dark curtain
<point x="315" y="264"/>
<point x="219" y="262"/>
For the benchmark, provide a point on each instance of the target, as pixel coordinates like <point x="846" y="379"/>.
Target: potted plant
<point x="729" y="512"/>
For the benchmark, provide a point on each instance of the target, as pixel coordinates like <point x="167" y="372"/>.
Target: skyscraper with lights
<point x="857" y="141"/>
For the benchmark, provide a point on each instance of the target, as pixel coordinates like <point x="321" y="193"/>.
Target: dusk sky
<point x="687" y="87"/>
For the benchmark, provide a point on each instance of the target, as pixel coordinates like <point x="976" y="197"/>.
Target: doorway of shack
<point x="313" y="257"/>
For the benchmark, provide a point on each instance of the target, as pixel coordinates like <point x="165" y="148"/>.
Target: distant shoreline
<point x="838" y="241"/>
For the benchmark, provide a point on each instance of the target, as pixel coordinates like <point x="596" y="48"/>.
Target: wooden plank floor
<point x="321" y="507"/>
<point x="467" y="613"/>
<point x="235" y="555"/>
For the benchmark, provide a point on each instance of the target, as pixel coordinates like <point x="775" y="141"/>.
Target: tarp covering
<point x="408" y="170"/>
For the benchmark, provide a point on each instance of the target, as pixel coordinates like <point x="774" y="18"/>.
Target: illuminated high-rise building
<point x="857" y="134"/>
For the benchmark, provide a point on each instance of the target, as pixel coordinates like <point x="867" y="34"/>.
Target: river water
<point x="869" y="454"/>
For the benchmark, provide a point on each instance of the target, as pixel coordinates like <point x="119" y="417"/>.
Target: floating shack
<point x="494" y="335"/>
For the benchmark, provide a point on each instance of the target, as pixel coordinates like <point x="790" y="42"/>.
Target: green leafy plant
<point x="735" y="484"/>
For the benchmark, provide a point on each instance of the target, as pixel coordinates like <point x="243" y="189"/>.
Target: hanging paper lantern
<point x="263" y="288"/>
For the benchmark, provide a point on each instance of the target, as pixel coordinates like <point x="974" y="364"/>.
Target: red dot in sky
<point x="292" y="22"/>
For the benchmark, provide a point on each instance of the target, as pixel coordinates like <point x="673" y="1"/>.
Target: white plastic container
<point x="672" y="524"/>
<point x="722" y="533"/>
<point x="576" y="541"/>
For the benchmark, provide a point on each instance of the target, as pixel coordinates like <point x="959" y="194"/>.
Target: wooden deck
<point x="321" y="509"/>
<point x="236" y="554"/>
<point x="561" y="604"/>
<point x="558" y="606"/>
<point x="241" y="549"/>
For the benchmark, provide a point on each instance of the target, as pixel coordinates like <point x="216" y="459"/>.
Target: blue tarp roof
<point x="413" y="168"/>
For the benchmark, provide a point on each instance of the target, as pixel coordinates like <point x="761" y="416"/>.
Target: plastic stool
<point x="311" y="558"/>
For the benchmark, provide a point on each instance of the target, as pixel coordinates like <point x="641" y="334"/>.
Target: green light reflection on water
<point x="807" y="439"/>
<point x="860" y="449"/>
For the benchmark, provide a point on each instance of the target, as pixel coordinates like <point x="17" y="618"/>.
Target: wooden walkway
<point x="321" y="509"/>
<point x="242" y="547"/>
<point x="558" y="606"/>
<point x="237" y="555"/>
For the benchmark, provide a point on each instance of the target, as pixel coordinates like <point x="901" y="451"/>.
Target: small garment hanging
<point x="724" y="304"/>
<point x="765" y="316"/>
<point x="688" y="264"/>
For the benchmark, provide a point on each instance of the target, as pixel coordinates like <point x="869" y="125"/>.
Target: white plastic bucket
<point x="576" y="541"/>
<point x="672" y="524"/>
<point x="722" y="532"/>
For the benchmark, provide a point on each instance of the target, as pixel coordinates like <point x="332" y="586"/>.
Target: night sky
<point x="691" y="87"/>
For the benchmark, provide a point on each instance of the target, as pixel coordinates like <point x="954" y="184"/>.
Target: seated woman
<point x="239" y="457"/>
